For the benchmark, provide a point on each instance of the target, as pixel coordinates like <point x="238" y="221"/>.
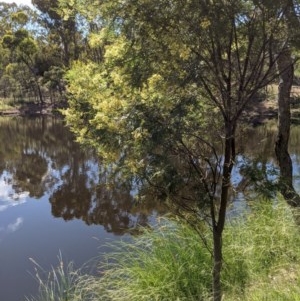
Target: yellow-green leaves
<point x="205" y="23"/>
<point x="20" y="17"/>
<point x="117" y="50"/>
<point x="8" y="40"/>
<point x="153" y="89"/>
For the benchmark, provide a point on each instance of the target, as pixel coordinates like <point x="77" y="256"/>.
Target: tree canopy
<point x="157" y="87"/>
<point x="164" y="102"/>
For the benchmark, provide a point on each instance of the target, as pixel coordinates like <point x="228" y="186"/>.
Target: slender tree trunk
<point x="36" y="80"/>
<point x="217" y="267"/>
<point x="41" y="100"/>
<point x="218" y="226"/>
<point x="286" y="71"/>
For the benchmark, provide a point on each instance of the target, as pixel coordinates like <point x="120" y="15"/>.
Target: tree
<point x="171" y="72"/>
<point x="285" y="66"/>
<point x="20" y="48"/>
<point x="24" y="47"/>
<point x="64" y="32"/>
<point x="287" y="9"/>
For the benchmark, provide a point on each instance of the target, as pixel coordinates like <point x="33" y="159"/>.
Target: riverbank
<point x="256" y="113"/>
<point x="32" y="109"/>
<point x="265" y="108"/>
<point x="261" y="262"/>
<point x="261" y="112"/>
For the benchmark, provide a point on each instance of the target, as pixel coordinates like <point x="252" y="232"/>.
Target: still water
<point x="53" y="198"/>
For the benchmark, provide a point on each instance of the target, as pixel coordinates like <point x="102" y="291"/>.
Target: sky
<point x="24" y="2"/>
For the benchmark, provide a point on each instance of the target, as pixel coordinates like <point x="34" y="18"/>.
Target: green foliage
<point x="140" y="129"/>
<point x="170" y="263"/>
<point x="172" y="72"/>
<point x="164" y="81"/>
<point x="5" y="104"/>
<point x="260" y="177"/>
<point x="65" y="283"/>
<point x="261" y="253"/>
<point x="8" y="40"/>
<point x="261" y="260"/>
<point x="156" y="266"/>
<point x="21" y="43"/>
<point x="60" y="283"/>
<point x="36" y="43"/>
<point x="20" y="17"/>
<point x="20" y="35"/>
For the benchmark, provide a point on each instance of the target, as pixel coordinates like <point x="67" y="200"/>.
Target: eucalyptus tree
<point x="164" y="103"/>
<point x="285" y="67"/>
<point x="23" y="49"/>
<point x="7" y="25"/>
<point x="284" y="48"/>
<point x="63" y="32"/>
<point x="19" y="48"/>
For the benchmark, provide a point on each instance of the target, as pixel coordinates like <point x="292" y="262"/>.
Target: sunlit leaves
<point x="116" y="50"/>
<point x="8" y="40"/>
<point x="20" y="17"/>
<point x="169" y="72"/>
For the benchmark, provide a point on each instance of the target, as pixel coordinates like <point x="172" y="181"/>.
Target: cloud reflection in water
<point x="8" y="196"/>
<point x="13" y="227"/>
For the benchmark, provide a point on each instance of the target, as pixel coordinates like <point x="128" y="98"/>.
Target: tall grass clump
<point x="167" y="263"/>
<point x="262" y="254"/>
<point x="64" y="283"/>
<point x="261" y="260"/>
<point x="172" y="263"/>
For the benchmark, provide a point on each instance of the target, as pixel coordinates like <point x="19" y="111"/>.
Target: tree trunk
<point x="41" y="100"/>
<point x="217" y="266"/>
<point x="218" y="226"/>
<point x="286" y="71"/>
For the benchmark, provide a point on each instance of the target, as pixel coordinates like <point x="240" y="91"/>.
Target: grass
<point x="6" y="104"/>
<point x="262" y="255"/>
<point x="63" y="283"/>
<point x="171" y="263"/>
<point x="11" y="104"/>
<point x="168" y="263"/>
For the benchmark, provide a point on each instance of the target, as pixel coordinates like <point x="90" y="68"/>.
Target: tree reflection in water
<point x="29" y="174"/>
<point x="41" y="158"/>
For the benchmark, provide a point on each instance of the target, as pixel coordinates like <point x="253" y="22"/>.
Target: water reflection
<point x="42" y="167"/>
<point x="256" y="170"/>
<point x="41" y="158"/>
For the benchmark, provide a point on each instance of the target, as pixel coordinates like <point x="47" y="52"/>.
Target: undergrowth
<point x="171" y="263"/>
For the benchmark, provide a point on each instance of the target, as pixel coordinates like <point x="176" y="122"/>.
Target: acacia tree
<point x="171" y="71"/>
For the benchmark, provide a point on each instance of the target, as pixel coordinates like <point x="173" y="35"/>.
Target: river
<point x="53" y="198"/>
